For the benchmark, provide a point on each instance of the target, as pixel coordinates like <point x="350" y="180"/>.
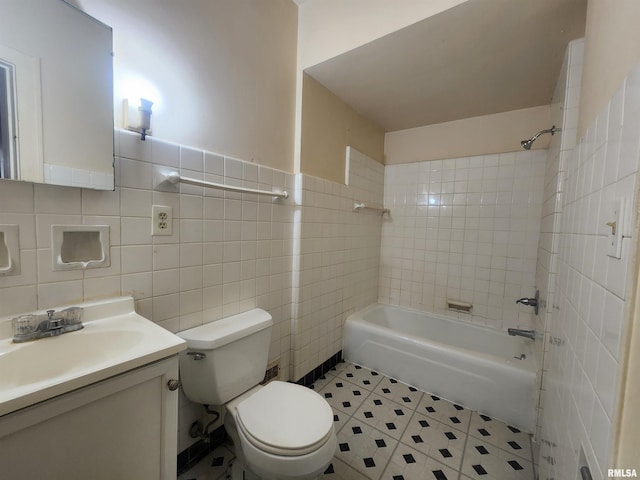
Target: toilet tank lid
<point x="221" y="332"/>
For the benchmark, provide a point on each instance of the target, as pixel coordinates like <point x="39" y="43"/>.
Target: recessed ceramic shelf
<point x="9" y="250"/>
<point x="80" y="246"/>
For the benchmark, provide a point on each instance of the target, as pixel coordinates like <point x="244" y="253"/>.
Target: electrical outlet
<point x="161" y="220"/>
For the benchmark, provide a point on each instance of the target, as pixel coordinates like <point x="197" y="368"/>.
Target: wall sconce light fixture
<point x="140" y="122"/>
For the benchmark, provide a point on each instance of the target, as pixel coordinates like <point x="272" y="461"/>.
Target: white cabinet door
<point x="121" y="428"/>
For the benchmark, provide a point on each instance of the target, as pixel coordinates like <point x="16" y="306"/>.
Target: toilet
<point x="280" y="430"/>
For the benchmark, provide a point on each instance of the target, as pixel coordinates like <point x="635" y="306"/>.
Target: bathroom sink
<point x="114" y="339"/>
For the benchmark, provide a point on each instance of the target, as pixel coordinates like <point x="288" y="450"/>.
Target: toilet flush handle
<point x="197" y="355"/>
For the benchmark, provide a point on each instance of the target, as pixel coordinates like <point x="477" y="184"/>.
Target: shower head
<point x="526" y="144"/>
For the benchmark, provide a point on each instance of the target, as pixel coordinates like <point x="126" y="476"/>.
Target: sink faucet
<point x="33" y="326"/>
<point x="522" y="333"/>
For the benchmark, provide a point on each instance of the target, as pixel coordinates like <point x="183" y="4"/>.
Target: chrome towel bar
<point x="357" y="206"/>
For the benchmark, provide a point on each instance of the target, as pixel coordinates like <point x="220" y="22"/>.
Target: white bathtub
<point x="467" y="364"/>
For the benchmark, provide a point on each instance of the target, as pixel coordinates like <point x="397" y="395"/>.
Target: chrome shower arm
<point x="551" y="130"/>
<point x="526" y="144"/>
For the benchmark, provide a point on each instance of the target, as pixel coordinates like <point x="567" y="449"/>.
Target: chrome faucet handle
<point x="73" y="315"/>
<point x="532" y="302"/>
<point x="34" y="326"/>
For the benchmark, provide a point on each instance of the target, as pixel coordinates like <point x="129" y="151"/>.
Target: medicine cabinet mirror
<point x="56" y="95"/>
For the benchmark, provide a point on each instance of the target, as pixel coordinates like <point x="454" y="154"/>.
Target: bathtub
<point x="474" y="366"/>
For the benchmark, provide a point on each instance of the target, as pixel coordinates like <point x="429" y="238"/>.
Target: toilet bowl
<point x="281" y="431"/>
<point x="284" y="431"/>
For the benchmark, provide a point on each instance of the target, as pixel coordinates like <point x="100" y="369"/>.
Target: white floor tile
<point x="385" y="415"/>
<point x="399" y="392"/>
<point x="445" y="412"/>
<point x="506" y="437"/>
<point x="438" y="440"/>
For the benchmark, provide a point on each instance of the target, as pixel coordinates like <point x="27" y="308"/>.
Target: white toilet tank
<point x="225" y="358"/>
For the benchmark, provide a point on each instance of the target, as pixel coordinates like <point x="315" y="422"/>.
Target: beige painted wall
<point x="501" y="132"/>
<point x="331" y="27"/>
<point x="328" y="28"/>
<point x="222" y="73"/>
<point x="328" y="126"/>
<point x="612" y="48"/>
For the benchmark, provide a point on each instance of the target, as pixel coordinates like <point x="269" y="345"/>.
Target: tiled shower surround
<point x="464" y="229"/>
<point x="585" y="323"/>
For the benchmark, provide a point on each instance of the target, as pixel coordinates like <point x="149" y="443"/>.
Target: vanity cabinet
<point x="124" y="427"/>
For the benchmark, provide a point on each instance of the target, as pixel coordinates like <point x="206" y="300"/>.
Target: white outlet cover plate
<point x="161" y="226"/>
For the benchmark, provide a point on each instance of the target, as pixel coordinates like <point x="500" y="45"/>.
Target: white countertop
<point x="115" y="339"/>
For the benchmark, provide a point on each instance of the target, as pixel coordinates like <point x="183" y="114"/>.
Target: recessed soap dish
<point x="9" y="250"/>
<point x="77" y="247"/>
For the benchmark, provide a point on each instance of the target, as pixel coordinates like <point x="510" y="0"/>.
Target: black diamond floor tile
<point x="479" y="470"/>
<point x="445" y="453"/>
<point x="409" y="458"/>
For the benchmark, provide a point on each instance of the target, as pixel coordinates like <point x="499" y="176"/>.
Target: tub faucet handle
<point x="532" y="302"/>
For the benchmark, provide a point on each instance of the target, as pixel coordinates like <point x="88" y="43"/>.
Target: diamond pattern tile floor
<point x="390" y="431"/>
<point x="431" y="438"/>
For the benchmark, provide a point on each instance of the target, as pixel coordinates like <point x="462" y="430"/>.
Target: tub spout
<point x="522" y="333"/>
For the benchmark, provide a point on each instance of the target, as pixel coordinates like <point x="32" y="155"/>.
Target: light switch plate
<point x="614" y="220"/>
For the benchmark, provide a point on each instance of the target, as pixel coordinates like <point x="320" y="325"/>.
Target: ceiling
<point x="478" y="58"/>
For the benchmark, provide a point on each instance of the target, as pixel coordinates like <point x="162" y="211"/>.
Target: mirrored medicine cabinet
<point x="56" y="95"/>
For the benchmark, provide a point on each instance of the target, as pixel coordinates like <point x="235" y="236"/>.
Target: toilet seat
<point x="285" y="419"/>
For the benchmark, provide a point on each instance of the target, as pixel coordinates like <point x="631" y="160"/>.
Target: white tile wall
<point x="228" y="252"/>
<point x="464" y="229"/>
<point x="582" y="363"/>
<point x="564" y="115"/>
<point x="336" y="271"/>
